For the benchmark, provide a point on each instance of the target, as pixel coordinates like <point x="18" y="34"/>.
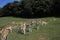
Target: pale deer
<point x="22" y="27"/>
<point x="8" y="27"/>
<point x="4" y="34"/>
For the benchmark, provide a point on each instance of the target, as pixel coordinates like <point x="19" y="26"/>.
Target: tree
<point x="31" y="8"/>
<point x="1" y="12"/>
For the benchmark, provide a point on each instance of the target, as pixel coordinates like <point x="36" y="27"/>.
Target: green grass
<point x="48" y="32"/>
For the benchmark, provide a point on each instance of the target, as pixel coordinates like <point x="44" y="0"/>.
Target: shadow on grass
<point x="20" y="32"/>
<point x="55" y="38"/>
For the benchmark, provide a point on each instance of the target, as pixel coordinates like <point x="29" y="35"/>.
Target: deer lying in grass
<point x="53" y="19"/>
<point x="43" y="22"/>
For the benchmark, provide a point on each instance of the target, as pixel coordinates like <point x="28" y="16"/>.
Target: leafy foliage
<point x="31" y="8"/>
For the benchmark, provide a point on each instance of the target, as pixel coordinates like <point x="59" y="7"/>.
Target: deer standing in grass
<point x="5" y="31"/>
<point x="29" y="26"/>
<point x="8" y="27"/>
<point x="4" y="34"/>
<point x="22" y="27"/>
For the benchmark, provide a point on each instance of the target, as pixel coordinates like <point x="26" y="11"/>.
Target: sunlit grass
<point x="48" y="32"/>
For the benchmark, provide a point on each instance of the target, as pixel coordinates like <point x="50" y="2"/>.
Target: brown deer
<point x="22" y="27"/>
<point x="8" y="27"/>
<point x="4" y="34"/>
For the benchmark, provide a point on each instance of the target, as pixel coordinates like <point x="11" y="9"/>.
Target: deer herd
<point x="22" y="27"/>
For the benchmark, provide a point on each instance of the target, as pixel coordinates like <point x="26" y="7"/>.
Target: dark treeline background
<point x="31" y="9"/>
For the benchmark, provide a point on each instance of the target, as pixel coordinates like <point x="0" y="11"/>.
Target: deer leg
<point x="30" y="28"/>
<point x="24" y="31"/>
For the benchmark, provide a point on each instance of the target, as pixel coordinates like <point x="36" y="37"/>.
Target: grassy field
<point x="48" y="32"/>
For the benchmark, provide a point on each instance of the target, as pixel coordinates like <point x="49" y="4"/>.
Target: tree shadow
<point x="20" y="32"/>
<point x="55" y="38"/>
